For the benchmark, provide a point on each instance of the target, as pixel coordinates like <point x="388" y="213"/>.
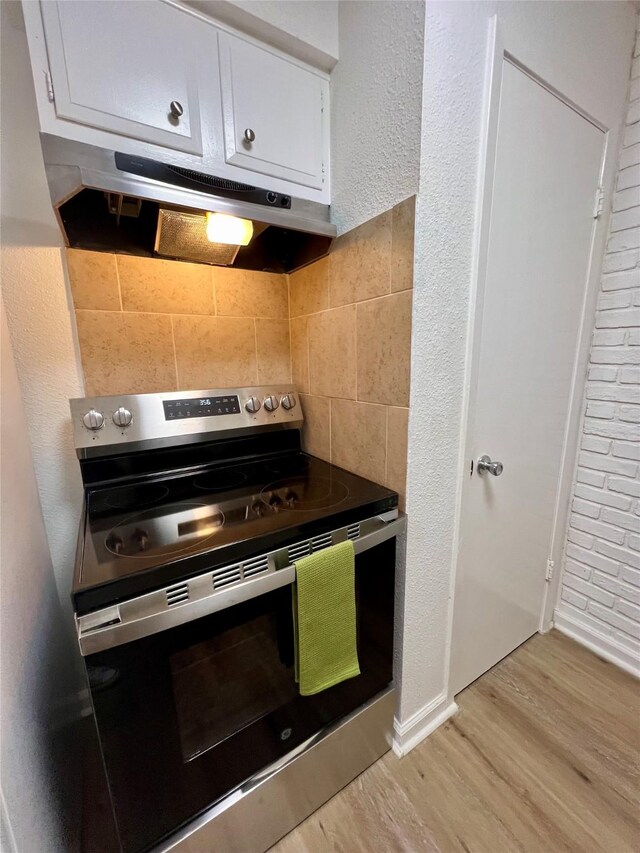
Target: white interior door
<point x="546" y="173"/>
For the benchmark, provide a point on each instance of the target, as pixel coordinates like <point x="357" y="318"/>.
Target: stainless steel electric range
<point x="197" y="505"/>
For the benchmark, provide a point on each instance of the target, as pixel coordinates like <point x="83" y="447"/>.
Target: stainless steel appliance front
<point x="224" y="587"/>
<point x="190" y="716"/>
<point x="272" y="803"/>
<point x="91" y="188"/>
<point x="185" y="618"/>
<point x="102" y="424"/>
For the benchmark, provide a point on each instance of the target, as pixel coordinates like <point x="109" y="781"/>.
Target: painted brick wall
<point x="600" y="595"/>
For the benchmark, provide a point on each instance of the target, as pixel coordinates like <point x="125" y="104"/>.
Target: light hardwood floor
<point x="542" y="757"/>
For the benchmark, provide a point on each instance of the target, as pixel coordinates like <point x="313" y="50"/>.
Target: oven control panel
<point x="201" y="407"/>
<point x="101" y="424"/>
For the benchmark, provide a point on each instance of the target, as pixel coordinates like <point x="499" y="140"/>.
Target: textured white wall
<point x="35" y="648"/>
<point x="307" y="29"/>
<point x="312" y="21"/>
<point x="581" y="48"/>
<point x="376" y="91"/>
<point x="35" y="297"/>
<point x="600" y="597"/>
<point x="40" y="661"/>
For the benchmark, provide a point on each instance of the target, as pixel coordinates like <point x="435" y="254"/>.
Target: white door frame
<point x="497" y="53"/>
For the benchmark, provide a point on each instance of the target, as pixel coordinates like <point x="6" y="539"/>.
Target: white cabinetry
<point x="273" y="113"/>
<point x="107" y="73"/>
<point x="121" y="66"/>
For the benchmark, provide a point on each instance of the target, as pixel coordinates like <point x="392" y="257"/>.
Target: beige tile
<point x="402" y="240"/>
<point x="316" y="432"/>
<point x="165" y="287"/>
<point x="358" y="438"/>
<point x="244" y="293"/>
<point x="274" y="351"/>
<point x="300" y="353"/>
<point x="126" y="353"/>
<point x="332" y="353"/>
<point x="384" y="349"/>
<point x="215" y="352"/>
<point x="360" y="263"/>
<point x="397" y="429"/>
<point x="309" y="289"/>
<point x="94" y="280"/>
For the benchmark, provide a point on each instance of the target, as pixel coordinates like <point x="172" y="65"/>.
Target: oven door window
<point x="190" y="714"/>
<point x="223" y="684"/>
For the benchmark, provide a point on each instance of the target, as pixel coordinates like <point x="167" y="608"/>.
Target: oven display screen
<point x="200" y="407"/>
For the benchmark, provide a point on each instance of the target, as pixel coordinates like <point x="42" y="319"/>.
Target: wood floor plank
<point x="603" y="746"/>
<point x="465" y="815"/>
<point x="543" y="757"/>
<point x="572" y="814"/>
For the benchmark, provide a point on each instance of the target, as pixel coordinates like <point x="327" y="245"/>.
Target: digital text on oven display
<point x="200" y="407"/>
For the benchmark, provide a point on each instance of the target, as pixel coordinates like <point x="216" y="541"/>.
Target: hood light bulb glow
<point x="224" y="228"/>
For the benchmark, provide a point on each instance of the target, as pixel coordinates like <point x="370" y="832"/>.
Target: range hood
<point x="108" y="201"/>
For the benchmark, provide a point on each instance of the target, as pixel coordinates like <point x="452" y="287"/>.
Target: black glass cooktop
<point x="156" y="532"/>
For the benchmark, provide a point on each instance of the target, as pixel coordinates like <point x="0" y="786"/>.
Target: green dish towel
<point x="324" y="619"/>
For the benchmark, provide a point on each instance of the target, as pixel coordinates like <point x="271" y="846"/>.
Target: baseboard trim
<point x="600" y="644"/>
<point x="420" y="725"/>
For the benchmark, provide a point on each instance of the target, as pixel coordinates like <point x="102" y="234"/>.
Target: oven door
<point x="185" y="716"/>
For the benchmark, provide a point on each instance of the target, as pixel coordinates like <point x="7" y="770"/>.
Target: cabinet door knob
<point x="176" y="109"/>
<point x="249" y="135"/>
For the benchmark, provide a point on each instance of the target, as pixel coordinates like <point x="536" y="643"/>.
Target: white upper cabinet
<point x="125" y="67"/>
<point x="153" y="78"/>
<point x="275" y="113"/>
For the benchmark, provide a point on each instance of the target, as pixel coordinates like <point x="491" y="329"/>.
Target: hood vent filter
<point x="184" y="235"/>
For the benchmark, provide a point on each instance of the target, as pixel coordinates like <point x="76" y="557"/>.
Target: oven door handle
<point x="151" y="613"/>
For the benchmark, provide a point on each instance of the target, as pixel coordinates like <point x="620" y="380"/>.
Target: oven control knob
<point x="122" y="417"/>
<point x="271" y="403"/>
<point x="93" y="419"/>
<point x="288" y="402"/>
<point x="253" y="405"/>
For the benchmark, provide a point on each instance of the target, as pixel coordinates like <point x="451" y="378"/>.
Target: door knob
<point x="485" y="464"/>
<point x="249" y="135"/>
<point x="175" y="108"/>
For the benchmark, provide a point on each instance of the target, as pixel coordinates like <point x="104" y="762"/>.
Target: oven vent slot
<point x="225" y="576"/>
<point x="353" y="531"/>
<point x="296" y="552"/>
<point x="320" y="542"/>
<point x="177" y="594"/>
<point x="255" y="566"/>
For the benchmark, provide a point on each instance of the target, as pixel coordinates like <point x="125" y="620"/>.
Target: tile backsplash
<point x="340" y="329"/>
<point x="351" y="347"/>
<point x="146" y="324"/>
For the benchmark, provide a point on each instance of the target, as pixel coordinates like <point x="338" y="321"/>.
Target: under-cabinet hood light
<point x="224" y="228"/>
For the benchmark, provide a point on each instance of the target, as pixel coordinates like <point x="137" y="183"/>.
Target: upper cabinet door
<point x="275" y="113"/>
<point x="117" y="67"/>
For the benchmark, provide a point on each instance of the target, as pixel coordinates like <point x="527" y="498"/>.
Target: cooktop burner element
<point x="304" y="493"/>
<point x="195" y="483"/>
<point x="173" y="529"/>
<point x="131" y="497"/>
